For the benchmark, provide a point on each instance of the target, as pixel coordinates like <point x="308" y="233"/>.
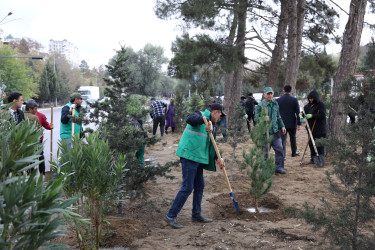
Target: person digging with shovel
<point x="196" y="153"/>
<point x="315" y="111"/>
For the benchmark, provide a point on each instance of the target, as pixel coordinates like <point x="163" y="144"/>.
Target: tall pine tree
<point x="119" y="118"/>
<point x="48" y="83"/>
<point x="259" y="168"/>
<point x="348" y="221"/>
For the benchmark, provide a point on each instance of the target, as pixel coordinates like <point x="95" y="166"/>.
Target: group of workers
<point x="196" y="151"/>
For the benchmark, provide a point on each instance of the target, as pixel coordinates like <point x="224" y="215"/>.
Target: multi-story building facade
<point x="66" y="48"/>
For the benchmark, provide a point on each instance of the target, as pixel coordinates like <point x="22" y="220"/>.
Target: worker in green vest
<point x="196" y="153"/>
<point x="66" y="122"/>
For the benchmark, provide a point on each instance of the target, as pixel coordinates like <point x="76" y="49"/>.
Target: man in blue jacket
<point x="289" y="111"/>
<point x="196" y="153"/>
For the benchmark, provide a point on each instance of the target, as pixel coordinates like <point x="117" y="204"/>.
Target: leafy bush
<point x="30" y="211"/>
<point x="93" y="173"/>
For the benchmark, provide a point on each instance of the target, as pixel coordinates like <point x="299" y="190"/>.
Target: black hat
<point x="217" y="106"/>
<point x="31" y="103"/>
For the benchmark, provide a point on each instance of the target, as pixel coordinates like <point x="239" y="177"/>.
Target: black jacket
<point x="19" y="116"/>
<point x="318" y="111"/>
<point x="250" y="104"/>
<point x="289" y="110"/>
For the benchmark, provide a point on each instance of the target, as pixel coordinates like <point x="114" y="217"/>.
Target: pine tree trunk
<point x="233" y="84"/>
<point x="291" y="62"/>
<point x="278" y="51"/>
<point x="347" y="65"/>
<point x="301" y="7"/>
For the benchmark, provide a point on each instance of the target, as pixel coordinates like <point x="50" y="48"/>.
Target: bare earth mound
<point x="141" y="226"/>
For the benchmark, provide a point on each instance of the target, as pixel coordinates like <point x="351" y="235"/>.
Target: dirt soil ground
<point x="141" y="226"/>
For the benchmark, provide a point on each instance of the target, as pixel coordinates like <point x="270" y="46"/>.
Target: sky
<point x="98" y="28"/>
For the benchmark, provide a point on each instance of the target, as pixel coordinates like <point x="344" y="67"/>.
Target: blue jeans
<point x="223" y="124"/>
<point x="192" y="179"/>
<point x="277" y="146"/>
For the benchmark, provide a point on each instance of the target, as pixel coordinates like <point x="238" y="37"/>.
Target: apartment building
<point x="66" y="48"/>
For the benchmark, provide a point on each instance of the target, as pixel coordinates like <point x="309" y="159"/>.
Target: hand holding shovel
<point x="221" y="161"/>
<point x="318" y="159"/>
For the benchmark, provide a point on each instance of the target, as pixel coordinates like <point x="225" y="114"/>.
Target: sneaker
<point x="201" y="219"/>
<point x="280" y="171"/>
<point x="296" y="154"/>
<point x="173" y="222"/>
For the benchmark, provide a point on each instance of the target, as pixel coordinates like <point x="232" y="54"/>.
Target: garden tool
<point x="268" y="133"/>
<point x="307" y="144"/>
<point x="73" y="113"/>
<point x="51" y="139"/>
<point x="318" y="159"/>
<point x="224" y="171"/>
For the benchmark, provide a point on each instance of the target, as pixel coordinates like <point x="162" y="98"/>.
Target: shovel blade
<point x="235" y="203"/>
<point x="319" y="161"/>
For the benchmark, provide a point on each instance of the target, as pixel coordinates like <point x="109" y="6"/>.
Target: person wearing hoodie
<point x="315" y="111"/>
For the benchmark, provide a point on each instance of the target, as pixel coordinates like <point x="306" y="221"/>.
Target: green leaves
<point x="29" y="208"/>
<point x="259" y="169"/>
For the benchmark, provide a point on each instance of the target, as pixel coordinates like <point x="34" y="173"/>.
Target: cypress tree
<point x="119" y="117"/>
<point x="180" y="110"/>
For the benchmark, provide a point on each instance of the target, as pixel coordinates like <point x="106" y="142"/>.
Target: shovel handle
<point x="268" y="134"/>
<point x="51" y="140"/>
<point x="312" y="138"/>
<point x="307" y="144"/>
<point x="73" y="113"/>
<point x="218" y="154"/>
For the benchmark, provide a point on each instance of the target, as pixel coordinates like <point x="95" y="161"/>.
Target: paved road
<point x="56" y="134"/>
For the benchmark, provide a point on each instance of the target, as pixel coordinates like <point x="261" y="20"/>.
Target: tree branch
<point x="254" y="71"/>
<point x="250" y="47"/>
<point x="327" y="24"/>
<point x="261" y="39"/>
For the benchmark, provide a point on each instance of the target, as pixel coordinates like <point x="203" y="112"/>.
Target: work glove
<point x="245" y="116"/>
<point x="209" y="127"/>
<point x="220" y="163"/>
<point x="308" y="116"/>
<point x="301" y="118"/>
<point x="284" y="130"/>
<point x="72" y="107"/>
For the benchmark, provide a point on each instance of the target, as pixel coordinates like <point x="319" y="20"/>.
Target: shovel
<point x="318" y="159"/>
<point x="307" y="144"/>
<point x="235" y="203"/>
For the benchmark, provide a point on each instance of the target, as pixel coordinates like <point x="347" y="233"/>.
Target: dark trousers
<point x="192" y="179"/>
<point x="320" y="149"/>
<point x="277" y="146"/>
<point x="158" y="120"/>
<point x="293" y="141"/>
<point x="42" y="165"/>
<point x="250" y="116"/>
<point x="166" y="129"/>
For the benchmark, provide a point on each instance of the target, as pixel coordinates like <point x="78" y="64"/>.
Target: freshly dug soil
<point x="142" y="226"/>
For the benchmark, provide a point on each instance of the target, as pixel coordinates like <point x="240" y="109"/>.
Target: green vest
<point x="66" y="129"/>
<point x="195" y="145"/>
